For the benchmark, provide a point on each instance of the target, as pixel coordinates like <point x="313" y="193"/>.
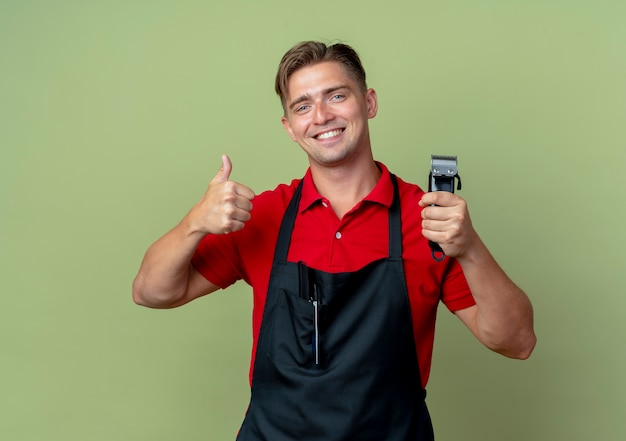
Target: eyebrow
<point x="307" y="97"/>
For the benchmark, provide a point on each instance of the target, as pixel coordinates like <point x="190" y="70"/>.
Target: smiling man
<point x="345" y="289"/>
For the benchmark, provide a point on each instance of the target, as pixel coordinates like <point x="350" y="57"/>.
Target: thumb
<point x="224" y="172"/>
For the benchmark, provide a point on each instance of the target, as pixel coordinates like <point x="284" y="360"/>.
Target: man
<point x="345" y="286"/>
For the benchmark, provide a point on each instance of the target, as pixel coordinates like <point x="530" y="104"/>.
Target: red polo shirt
<point x="327" y="243"/>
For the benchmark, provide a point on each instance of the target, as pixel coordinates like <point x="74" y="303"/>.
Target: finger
<point x="246" y="192"/>
<point x="434" y="225"/>
<point x="241" y="215"/>
<point x="434" y="212"/>
<point x="235" y="219"/>
<point x="234" y="226"/>
<point x="243" y="202"/>
<point x="442" y="198"/>
<point x="224" y="172"/>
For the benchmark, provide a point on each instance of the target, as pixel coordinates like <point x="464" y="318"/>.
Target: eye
<point x="301" y="109"/>
<point x="337" y="97"/>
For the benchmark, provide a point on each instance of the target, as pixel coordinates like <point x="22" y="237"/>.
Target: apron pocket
<point x="291" y="336"/>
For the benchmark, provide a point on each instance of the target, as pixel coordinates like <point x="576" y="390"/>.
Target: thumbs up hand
<point x="226" y="205"/>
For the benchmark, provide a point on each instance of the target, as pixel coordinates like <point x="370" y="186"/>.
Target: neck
<point x="344" y="187"/>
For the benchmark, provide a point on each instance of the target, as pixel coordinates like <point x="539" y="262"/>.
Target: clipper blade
<point x="444" y="166"/>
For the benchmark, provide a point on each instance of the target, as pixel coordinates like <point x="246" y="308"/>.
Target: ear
<point x="371" y="101"/>
<point x="287" y="127"/>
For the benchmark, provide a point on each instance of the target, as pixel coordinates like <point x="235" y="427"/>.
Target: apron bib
<point x="336" y="358"/>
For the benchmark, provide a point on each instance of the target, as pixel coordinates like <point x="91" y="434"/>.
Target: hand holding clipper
<point x="443" y="172"/>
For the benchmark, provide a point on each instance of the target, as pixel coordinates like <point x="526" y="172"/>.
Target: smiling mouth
<point x="329" y="134"/>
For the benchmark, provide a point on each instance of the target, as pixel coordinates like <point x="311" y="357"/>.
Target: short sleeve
<point x="216" y="258"/>
<point x="455" y="293"/>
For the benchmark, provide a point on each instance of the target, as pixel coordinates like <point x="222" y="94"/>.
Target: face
<point x="327" y="114"/>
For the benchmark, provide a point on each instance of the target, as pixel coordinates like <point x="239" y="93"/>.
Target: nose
<point x="323" y="113"/>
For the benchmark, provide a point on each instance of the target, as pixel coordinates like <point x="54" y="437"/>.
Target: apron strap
<point x="286" y="227"/>
<point x="395" y="222"/>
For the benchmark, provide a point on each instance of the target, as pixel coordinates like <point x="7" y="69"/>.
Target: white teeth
<point x="330" y="134"/>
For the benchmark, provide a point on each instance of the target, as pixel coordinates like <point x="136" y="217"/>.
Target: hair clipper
<point x="443" y="171"/>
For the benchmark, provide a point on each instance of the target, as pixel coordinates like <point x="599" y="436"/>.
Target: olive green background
<point x="113" y="116"/>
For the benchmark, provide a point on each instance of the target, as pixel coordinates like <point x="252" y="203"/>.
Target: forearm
<point x="163" y="278"/>
<point x="503" y="320"/>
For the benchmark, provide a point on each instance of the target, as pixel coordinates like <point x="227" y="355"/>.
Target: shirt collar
<point x="382" y="193"/>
